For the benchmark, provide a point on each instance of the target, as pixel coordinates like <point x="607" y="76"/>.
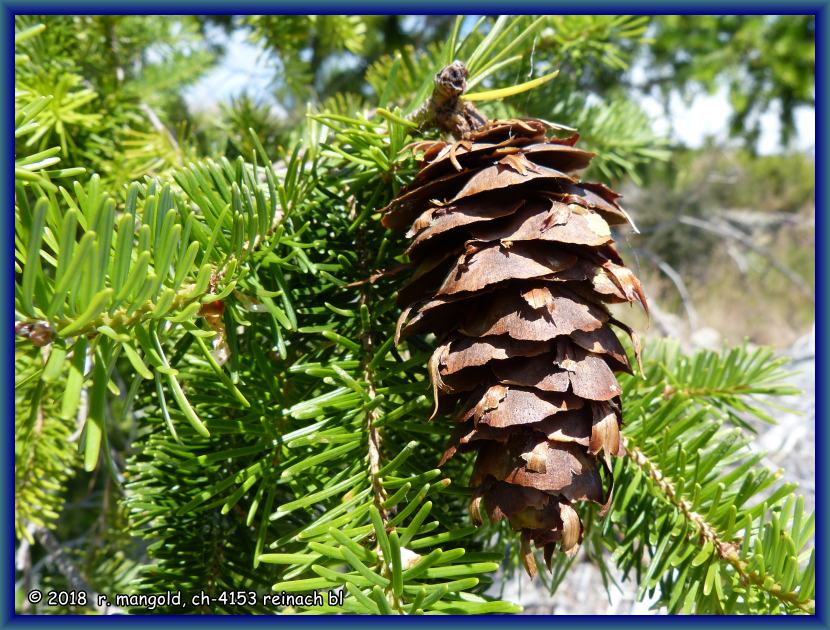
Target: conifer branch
<point x="726" y="550"/>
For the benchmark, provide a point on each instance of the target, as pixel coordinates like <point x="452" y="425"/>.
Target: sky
<point x="244" y="69"/>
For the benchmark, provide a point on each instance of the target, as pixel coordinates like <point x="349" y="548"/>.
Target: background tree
<point x="766" y="62"/>
<point x="208" y="396"/>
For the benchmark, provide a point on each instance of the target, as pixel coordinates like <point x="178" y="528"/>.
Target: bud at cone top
<point x="514" y="265"/>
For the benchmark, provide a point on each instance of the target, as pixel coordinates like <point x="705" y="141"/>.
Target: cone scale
<point x="514" y="267"/>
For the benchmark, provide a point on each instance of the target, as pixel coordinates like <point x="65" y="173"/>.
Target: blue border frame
<point x="747" y="7"/>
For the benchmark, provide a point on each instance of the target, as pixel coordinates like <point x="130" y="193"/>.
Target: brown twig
<point x="367" y="342"/>
<point x="374" y="438"/>
<point x="677" y="280"/>
<point x="382" y="273"/>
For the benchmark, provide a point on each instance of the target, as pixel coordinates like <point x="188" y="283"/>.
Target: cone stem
<point x="445" y="109"/>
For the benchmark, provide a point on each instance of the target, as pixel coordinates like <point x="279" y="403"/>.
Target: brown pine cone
<point x="514" y="266"/>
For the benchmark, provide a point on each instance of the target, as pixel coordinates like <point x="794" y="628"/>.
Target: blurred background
<point x="706" y="124"/>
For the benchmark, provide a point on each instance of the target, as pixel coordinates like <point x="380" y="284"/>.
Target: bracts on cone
<point x="514" y="266"/>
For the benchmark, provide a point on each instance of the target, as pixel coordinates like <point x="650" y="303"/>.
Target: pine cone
<point x="514" y="265"/>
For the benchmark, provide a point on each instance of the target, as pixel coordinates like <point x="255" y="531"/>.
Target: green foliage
<point x="591" y="43"/>
<point x="120" y="281"/>
<point x="287" y="37"/>
<point x="246" y="112"/>
<point x="763" y="61"/>
<point x="33" y="167"/>
<point x="487" y="50"/>
<point x="697" y="518"/>
<point x="219" y="336"/>
<point x="104" y="77"/>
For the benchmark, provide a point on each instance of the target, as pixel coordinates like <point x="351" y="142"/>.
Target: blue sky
<point x="244" y="69"/>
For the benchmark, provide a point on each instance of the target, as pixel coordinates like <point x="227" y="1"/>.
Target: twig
<point x="662" y="320"/>
<point x="735" y="234"/>
<point x="737" y="257"/>
<point x="23" y="563"/>
<point x="367" y="342"/>
<point x="752" y="219"/>
<point x="158" y="125"/>
<point x="675" y="277"/>
<point x="58" y="557"/>
<point x="382" y="273"/>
